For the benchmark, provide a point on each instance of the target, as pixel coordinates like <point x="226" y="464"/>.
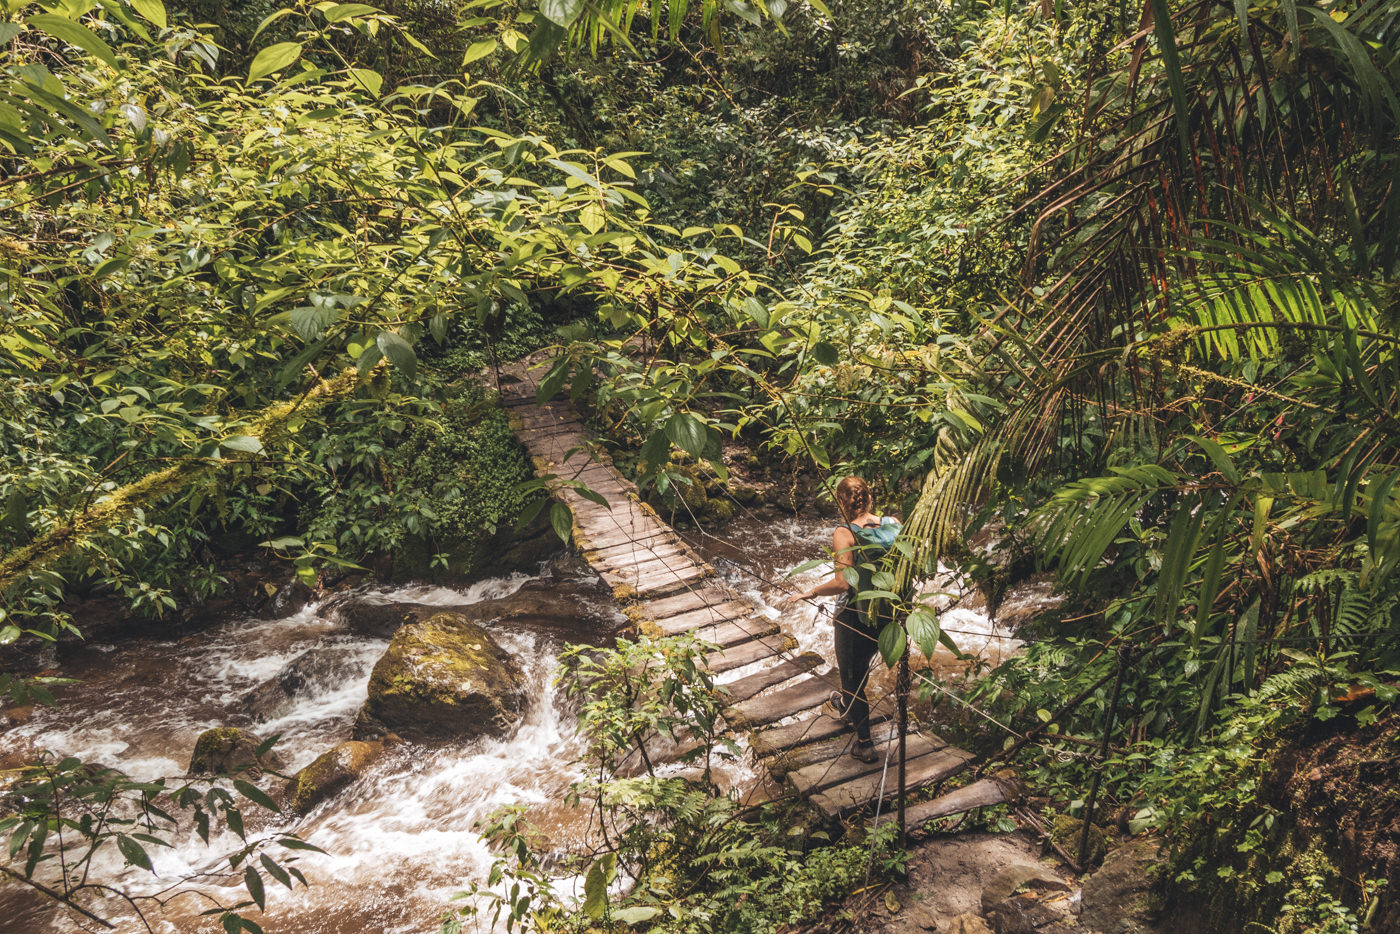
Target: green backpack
<point x="871" y="547"/>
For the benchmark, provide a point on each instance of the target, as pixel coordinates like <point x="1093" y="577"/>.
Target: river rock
<point x="442" y="680"/>
<point x="331" y="772"/>
<point x="537" y="603"/>
<point x="274" y="697"/>
<point x="228" y="749"/>
<point x="379" y="620"/>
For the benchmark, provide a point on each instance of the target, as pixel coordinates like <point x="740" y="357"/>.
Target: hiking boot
<point x="865" y="752"/>
<point x="833" y="707"/>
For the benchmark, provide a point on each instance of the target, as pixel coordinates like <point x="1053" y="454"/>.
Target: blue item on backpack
<point x="871" y="547"/>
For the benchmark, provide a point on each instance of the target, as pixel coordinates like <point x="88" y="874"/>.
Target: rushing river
<point x="400" y="841"/>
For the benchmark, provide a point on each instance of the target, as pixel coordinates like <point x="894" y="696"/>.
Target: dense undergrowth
<point x="1118" y="283"/>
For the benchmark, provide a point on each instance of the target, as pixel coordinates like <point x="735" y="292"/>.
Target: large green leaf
<point x="398" y="352"/>
<point x="925" y="631"/>
<point x="561" y="12"/>
<point x="636" y="914"/>
<point x="74" y="34"/>
<point x="344" y="11"/>
<point x="133" y="852"/>
<point x="479" y="49"/>
<point x="893" y="643"/>
<point x="595" y="891"/>
<point x="252" y="881"/>
<point x="1171" y="63"/>
<point x="273" y="58"/>
<point x="561" y="518"/>
<point x="688" y="433"/>
<point x="151" y="10"/>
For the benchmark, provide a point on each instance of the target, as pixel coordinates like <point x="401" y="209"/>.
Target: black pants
<point x="855" y="647"/>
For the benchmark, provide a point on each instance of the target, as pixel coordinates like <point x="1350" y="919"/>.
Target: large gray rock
<point x="442" y="680"/>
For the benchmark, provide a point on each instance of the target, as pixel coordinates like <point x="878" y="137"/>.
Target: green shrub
<point x="431" y="492"/>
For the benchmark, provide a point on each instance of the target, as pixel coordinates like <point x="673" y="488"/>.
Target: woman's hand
<point x="794" y="598"/>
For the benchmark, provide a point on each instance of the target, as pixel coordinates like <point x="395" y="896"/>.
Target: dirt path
<point x="990" y="883"/>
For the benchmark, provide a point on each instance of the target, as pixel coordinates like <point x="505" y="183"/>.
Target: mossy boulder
<point x="331" y="772"/>
<point x="442" y="680"/>
<point x="694" y="495"/>
<point x="1066" y="830"/>
<point x="228" y="749"/>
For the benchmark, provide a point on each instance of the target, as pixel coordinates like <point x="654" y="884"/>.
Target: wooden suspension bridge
<point x="668" y="590"/>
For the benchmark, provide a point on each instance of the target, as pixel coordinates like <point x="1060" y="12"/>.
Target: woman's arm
<point x="843" y="544"/>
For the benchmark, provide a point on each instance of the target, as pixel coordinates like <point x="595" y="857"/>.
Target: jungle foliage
<point x="685" y="856"/>
<point x="1118" y="282"/>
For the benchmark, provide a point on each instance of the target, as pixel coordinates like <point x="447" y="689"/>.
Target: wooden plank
<point x="662" y="587"/>
<point x="822" y="774"/>
<point x="666" y="575"/>
<point x="810" y="730"/>
<point x="655" y="577"/>
<point x="694" y="600"/>
<point x="790" y="760"/>
<point x="601" y="528"/>
<point x="660" y="751"/>
<point x="599" y="478"/>
<point x="980" y="794"/>
<point x="534" y="419"/>
<point x="659" y="583"/>
<point x="655" y="546"/>
<point x="732" y="611"/>
<point x="782" y="703"/>
<point x="577" y="467"/>
<point x="860" y="792"/>
<point x="571" y="456"/>
<point x="742" y="689"/>
<point x="730" y="634"/>
<point x="579" y="504"/>
<point x="594" y="539"/>
<point x="539" y="432"/>
<point x="620" y="515"/>
<point x="620" y="557"/>
<point x="644" y="561"/>
<point x="748" y="653"/>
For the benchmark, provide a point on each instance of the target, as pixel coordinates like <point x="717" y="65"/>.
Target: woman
<point x="855" y="641"/>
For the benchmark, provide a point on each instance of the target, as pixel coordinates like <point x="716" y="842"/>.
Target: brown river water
<point x="400" y="841"/>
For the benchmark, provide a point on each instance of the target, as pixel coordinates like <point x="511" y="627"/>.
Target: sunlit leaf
<point x="74" y="34"/>
<point x="273" y="58"/>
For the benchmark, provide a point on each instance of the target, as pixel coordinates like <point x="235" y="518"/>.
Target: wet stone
<point x="332" y="771"/>
<point x="226" y="750"/>
<point x="275" y="696"/>
<point x="442" y="680"/>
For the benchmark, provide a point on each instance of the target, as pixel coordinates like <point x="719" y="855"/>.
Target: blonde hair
<point x="853" y="498"/>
